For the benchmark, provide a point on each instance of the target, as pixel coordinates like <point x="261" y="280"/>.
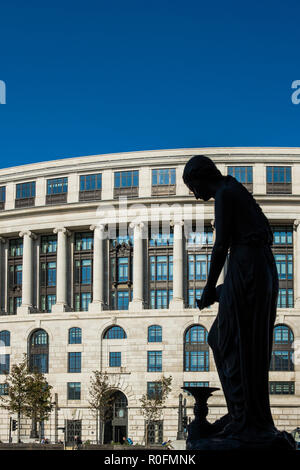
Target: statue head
<point x="200" y="175"/>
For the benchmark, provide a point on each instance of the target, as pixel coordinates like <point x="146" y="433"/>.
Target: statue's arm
<point x="223" y="227"/>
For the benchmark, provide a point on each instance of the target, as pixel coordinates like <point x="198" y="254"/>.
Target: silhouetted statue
<point x="242" y="334"/>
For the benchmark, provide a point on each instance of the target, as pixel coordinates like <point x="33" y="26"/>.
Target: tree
<point x="101" y="399"/>
<point x="17" y="384"/>
<point x="152" y="405"/>
<point x="38" y="400"/>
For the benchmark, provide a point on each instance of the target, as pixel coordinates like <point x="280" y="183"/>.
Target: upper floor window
<point x="115" y="332"/>
<point x="161" y="268"/>
<point x="25" y="194"/>
<point x="243" y="174"/>
<point x="48" y="244"/>
<point x="200" y="238"/>
<point x="48" y="274"/>
<point x="4" y="338"/>
<point x="115" y="359"/>
<point x="161" y="239"/>
<point x="196" y="351"/>
<point x="2" y="197"/>
<point x="279" y="180"/>
<point x="282" y="354"/>
<point x="126" y="183"/>
<point x="39" y="351"/>
<point x="74" y="362"/>
<point x="282" y="236"/>
<point x="154" y="390"/>
<point x="198" y="267"/>
<point x="84" y="241"/>
<point x="83" y="271"/>
<point x="154" y="361"/>
<point x="282" y="388"/>
<point x="284" y="263"/>
<point x="155" y="334"/>
<point x="160" y="298"/>
<point x="164" y="181"/>
<point x="90" y="187"/>
<point x="57" y="189"/>
<point x="15" y="275"/>
<point x="74" y="390"/>
<point x="75" y="336"/>
<point x="4" y="363"/>
<point x="15" y="247"/>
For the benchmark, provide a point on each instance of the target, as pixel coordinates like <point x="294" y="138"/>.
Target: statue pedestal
<point x="203" y="435"/>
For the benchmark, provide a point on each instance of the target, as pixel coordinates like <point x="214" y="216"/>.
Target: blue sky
<point x="97" y="77"/>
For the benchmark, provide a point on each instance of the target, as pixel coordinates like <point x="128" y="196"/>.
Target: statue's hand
<point x="208" y="297"/>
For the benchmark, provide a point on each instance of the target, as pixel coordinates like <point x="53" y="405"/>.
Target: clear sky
<point x="90" y="77"/>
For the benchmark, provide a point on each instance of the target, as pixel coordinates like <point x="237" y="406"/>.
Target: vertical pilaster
<point x="61" y="270"/>
<point x="27" y="272"/>
<point x="137" y="302"/>
<point x="98" y="269"/>
<point x="177" y="301"/>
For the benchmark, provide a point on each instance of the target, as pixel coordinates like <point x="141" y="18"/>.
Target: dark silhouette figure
<point x="242" y="334"/>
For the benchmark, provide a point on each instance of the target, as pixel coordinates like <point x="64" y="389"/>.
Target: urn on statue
<point x="199" y="427"/>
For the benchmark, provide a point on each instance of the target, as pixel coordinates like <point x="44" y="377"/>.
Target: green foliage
<point x="17" y="383"/>
<point x="38" y="398"/>
<point x="152" y="407"/>
<point x="100" y="392"/>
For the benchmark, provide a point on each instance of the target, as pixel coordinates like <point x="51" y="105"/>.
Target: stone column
<point x="27" y="272"/>
<point x="296" y="256"/>
<point x="177" y="301"/>
<point x="223" y="272"/>
<point x="2" y="276"/>
<point x="137" y="302"/>
<point x="98" y="270"/>
<point x="61" y="271"/>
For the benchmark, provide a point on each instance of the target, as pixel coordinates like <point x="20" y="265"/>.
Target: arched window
<point x="115" y="332"/>
<point x="75" y="336"/>
<point x="4" y="338"/>
<point x="154" y="334"/>
<point x="282" y="354"/>
<point x="196" y="351"/>
<point x="39" y="351"/>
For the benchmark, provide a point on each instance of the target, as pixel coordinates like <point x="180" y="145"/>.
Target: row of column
<point x="97" y="305"/>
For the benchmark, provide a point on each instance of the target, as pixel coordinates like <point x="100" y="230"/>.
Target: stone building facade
<point x="77" y="300"/>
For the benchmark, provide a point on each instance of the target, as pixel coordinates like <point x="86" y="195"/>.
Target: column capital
<point x="28" y="233"/>
<point x="137" y="225"/>
<point x="174" y="222"/>
<point x="100" y="227"/>
<point x="62" y="230"/>
<point x="296" y="224"/>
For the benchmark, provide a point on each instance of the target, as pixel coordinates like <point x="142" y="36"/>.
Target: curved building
<point x="101" y="261"/>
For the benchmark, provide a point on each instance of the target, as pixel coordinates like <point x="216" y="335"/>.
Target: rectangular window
<point x="194" y="294"/>
<point x="161" y="268"/>
<point x="82" y="301"/>
<point x="123" y="266"/>
<point x="242" y="173"/>
<point x="284" y="263"/>
<point x="282" y="388"/>
<point x="164" y="176"/>
<point x="196" y="361"/>
<point x="123" y="300"/>
<point x="114" y="359"/>
<point x="198" y="267"/>
<point x="48" y="274"/>
<point x="4" y="363"/>
<point x="282" y="360"/>
<point x="74" y="362"/>
<point x="154" y="390"/>
<point x="84" y="241"/>
<point x="154" y="361"/>
<point x="3" y="389"/>
<point x="279" y="180"/>
<point x="57" y="186"/>
<point x="164" y="181"/>
<point x="282" y="236"/>
<point x="2" y="197"/>
<point x="74" y="390"/>
<point x="160" y="298"/>
<point x="161" y="239"/>
<point x="285" y="298"/>
<point x="48" y="244"/>
<point x="90" y="182"/>
<point x="25" y="190"/>
<point x="126" y="179"/>
<point x="155" y="334"/>
<point x="47" y="301"/>
<point x="15" y="248"/>
<point x="83" y="271"/>
<point x="200" y="239"/>
<point x="15" y="275"/>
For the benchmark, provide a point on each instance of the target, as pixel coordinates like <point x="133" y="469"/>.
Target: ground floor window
<point x="281" y="388"/>
<point x="155" y="432"/>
